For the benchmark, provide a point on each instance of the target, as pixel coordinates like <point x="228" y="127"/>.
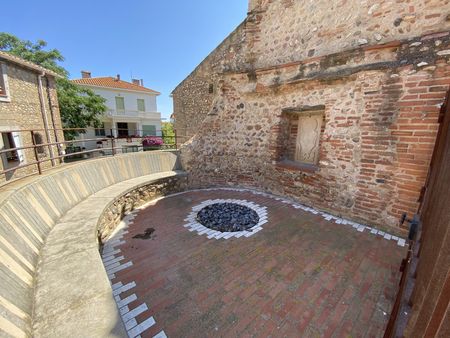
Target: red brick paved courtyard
<point x="301" y="276"/>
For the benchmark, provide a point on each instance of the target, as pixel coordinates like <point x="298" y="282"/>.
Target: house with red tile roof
<point x="132" y="108"/>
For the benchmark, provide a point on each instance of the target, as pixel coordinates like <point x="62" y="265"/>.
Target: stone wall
<point x="196" y="94"/>
<point x="285" y="31"/>
<point x="30" y="209"/>
<point x="135" y="199"/>
<point x="24" y="112"/>
<point x="381" y="108"/>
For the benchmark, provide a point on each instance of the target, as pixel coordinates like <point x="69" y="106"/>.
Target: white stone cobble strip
<point x="193" y="225"/>
<point x="124" y="302"/>
<point x="138" y="329"/>
<point x="160" y="335"/>
<point x="135" y="312"/>
<point x="358" y="227"/>
<point x="341" y="221"/>
<point x="112" y="261"/>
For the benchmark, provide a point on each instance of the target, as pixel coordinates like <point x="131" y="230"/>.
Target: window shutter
<point x="120" y="103"/>
<point x="141" y="104"/>
<point x="17" y="144"/>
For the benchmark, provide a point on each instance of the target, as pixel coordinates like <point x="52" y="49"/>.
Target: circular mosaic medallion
<point x="227" y="217"/>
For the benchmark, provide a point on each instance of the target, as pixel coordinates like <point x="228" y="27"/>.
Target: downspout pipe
<point x="44" y="116"/>
<point x="52" y="115"/>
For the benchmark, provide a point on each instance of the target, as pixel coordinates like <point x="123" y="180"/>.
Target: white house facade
<point x="132" y="108"/>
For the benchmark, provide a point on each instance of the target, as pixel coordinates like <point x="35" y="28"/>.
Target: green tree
<point x="168" y="133"/>
<point x="79" y="107"/>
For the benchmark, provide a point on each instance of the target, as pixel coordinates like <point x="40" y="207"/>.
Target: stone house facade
<point x="335" y="104"/>
<point x="28" y="101"/>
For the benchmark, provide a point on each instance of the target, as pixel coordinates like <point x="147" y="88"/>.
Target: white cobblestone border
<point x="112" y="259"/>
<point x="338" y="220"/>
<point x="193" y="225"/>
<point x="113" y="262"/>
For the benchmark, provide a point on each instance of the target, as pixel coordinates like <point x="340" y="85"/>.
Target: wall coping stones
<point x="31" y="207"/>
<point x="73" y="293"/>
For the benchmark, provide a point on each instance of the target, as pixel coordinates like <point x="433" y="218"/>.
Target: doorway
<point x="122" y="129"/>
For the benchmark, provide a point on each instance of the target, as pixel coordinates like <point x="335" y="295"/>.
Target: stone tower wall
<point x="380" y="100"/>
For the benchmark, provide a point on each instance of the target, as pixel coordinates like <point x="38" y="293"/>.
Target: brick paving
<point x="301" y="276"/>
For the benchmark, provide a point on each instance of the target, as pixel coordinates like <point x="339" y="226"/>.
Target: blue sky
<point x="161" y="41"/>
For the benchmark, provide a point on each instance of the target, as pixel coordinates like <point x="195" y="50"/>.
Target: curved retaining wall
<point x="31" y="208"/>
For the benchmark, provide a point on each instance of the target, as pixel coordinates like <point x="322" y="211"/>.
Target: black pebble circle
<point x="228" y="217"/>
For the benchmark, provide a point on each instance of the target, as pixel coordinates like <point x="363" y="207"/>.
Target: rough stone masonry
<point x="366" y="79"/>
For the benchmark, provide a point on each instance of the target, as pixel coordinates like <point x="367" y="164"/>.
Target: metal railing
<point x="25" y="153"/>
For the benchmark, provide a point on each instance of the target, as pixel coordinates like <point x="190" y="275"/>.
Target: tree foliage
<point x="168" y="133"/>
<point x="79" y="107"/>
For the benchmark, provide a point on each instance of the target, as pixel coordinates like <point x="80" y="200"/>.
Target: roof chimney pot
<point x="118" y="77"/>
<point x="142" y="82"/>
<point x="85" y="74"/>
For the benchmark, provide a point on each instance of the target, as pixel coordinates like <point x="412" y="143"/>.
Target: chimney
<point x="85" y="74"/>
<point x="118" y="77"/>
<point x="142" y="82"/>
<point x="136" y="82"/>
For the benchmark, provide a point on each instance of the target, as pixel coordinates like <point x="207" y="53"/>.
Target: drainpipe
<point x="52" y="115"/>
<point x="44" y="116"/>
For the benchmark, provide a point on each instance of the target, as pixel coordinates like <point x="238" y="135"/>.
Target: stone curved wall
<point x="31" y="208"/>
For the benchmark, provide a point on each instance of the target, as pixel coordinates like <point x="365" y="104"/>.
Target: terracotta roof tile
<point x="112" y="82"/>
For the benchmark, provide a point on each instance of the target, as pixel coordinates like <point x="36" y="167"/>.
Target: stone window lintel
<point x="304" y="110"/>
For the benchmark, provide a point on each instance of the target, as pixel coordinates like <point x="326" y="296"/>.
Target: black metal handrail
<point x="114" y="145"/>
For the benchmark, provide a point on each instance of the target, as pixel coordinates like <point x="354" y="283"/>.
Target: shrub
<point x="152" y="141"/>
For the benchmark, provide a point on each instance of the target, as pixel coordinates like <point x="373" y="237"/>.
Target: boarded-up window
<point x="120" y="103"/>
<point x="308" y="138"/>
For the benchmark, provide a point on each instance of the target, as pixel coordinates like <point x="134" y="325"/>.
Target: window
<point x="38" y="139"/>
<point x="122" y="129"/>
<point x="211" y="88"/>
<point x="11" y="141"/>
<point x="100" y="131"/>
<point x="148" y="130"/>
<point x="301" y="135"/>
<point x="120" y="103"/>
<point x="4" y="89"/>
<point x="2" y="84"/>
<point x="141" y="104"/>
<point x="8" y="143"/>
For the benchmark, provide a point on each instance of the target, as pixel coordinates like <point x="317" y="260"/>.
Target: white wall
<point x="134" y="122"/>
<point x="130" y="99"/>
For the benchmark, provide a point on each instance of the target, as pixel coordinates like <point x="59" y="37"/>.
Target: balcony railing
<point x="133" y="113"/>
